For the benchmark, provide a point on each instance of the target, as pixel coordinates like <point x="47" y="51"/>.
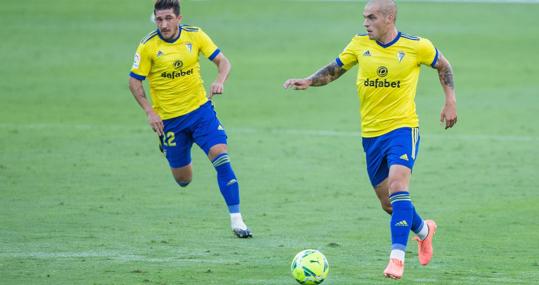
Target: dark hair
<point x="167" y="4"/>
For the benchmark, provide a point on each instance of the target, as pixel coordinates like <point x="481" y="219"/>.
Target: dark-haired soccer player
<point x="181" y="113"/>
<point x="389" y="64"/>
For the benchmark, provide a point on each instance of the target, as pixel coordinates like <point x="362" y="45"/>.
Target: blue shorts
<point x="200" y="126"/>
<point x="399" y="146"/>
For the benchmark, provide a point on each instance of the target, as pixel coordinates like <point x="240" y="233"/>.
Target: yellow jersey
<point x="387" y="79"/>
<point x="172" y="67"/>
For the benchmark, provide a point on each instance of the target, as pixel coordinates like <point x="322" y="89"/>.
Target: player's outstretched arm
<point x="448" y="116"/>
<point x="223" y="69"/>
<point x="323" y="76"/>
<point x="137" y="90"/>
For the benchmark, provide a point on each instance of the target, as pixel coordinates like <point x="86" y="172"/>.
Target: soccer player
<point x="181" y="113"/>
<point x="389" y="63"/>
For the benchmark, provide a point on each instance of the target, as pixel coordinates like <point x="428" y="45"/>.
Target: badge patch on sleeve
<point x="136" y="61"/>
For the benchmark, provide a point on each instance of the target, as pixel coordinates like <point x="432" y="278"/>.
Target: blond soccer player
<point x="389" y="64"/>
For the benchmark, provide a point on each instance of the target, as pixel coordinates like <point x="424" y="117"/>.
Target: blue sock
<point x="417" y="223"/>
<point x="401" y="219"/>
<point x="227" y="182"/>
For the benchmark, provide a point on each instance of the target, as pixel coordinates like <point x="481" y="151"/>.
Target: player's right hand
<point x="297" y="84"/>
<point x="156" y="123"/>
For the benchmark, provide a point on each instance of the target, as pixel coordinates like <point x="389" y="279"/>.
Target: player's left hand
<point x="449" y="115"/>
<point x="216" y="88"/>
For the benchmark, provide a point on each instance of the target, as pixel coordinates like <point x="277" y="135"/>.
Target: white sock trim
<point x="397" y="254"/>
<point x="236" y="221"/>
<point x="423" y="232"/>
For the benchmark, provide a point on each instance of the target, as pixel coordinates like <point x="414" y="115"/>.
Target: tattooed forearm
<point x="445" y="72"/>
<point x="326" y="74"/>
<point x="446" y="77"/>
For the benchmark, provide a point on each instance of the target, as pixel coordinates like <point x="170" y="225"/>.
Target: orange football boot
<point x="424" y="247"/>
<point x="394" y="269"/>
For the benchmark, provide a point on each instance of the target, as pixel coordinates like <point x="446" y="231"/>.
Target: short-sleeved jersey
<point x="172" y="67"/>
<point x="387" y="79"/>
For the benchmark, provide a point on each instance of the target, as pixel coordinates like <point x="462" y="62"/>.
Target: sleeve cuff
<point x="136" y="76"/>
<point x="339" y="62"/>
<point x="435" y="58"/>
<point x="214" y="54"/>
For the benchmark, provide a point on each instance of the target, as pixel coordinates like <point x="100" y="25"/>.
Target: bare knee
<point x="397" y="185"/>
<point x="183" y="180"/>
<point x="217" y="150"/>
<point x="183" y="175"/>
<point x="399" y="178"/>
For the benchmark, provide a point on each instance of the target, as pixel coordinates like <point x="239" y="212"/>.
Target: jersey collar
<point x="172" y="40"/>
<point x="391" y="42"/>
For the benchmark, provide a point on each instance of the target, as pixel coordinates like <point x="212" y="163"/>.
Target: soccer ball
<point x="309" y="267"/>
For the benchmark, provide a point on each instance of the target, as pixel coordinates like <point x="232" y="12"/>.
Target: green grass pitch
<point x="86" y="198"/>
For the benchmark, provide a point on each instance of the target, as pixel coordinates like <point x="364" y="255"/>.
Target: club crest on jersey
<point x="159" y="53"/>
<point x="178" y="64"/>
<point x="400" y="55"/>
<point x="367" y="53"/>
<point x="189" y="47"/>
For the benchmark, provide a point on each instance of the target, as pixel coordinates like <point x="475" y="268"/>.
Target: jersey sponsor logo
<point x="367" y="53"/>
<point x="382" y="71"/>
<point x="220" y="128"/>
<point x="404" y="157"/>
<point x="176" y="74"/>
<point x="400" y="55"/>
<point x="189" y="47"/>
<point x="377" y="83"/>
<point x="178" y="64"/>
<point x="136" y="61"/>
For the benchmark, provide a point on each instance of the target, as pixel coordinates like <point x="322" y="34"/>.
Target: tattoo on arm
<point x="445" y="72"/>
<point x="326" y="74"/>
<point x="446" y="77"/>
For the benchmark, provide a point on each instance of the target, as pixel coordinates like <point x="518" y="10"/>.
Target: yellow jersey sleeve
<point x="207" y="46"/>
<point x="142" y="63"/>
<point x="348" y="57"/>
<point x="426" y="52"/>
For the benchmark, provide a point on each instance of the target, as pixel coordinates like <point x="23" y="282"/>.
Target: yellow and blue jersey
<point x="173" y="70"/>
<point x="387" y="79"/>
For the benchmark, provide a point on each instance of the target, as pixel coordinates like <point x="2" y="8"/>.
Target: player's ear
<point x="390" y="18"/>
<point x="180" y="18"/>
